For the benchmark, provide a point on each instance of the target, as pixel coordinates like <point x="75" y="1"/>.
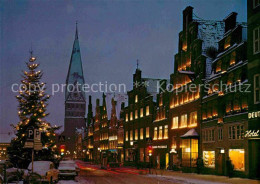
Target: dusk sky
<point x="112" y="35"/>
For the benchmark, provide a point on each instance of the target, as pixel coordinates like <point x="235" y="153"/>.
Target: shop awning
<point x="190" y="133"/>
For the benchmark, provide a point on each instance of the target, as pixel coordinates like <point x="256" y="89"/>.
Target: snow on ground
<point x="78" y="180"/>
<point x="177" y="179"/>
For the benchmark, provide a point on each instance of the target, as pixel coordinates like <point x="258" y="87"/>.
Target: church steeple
<point x="76" y="34"/>
<point x="75" y="72"/>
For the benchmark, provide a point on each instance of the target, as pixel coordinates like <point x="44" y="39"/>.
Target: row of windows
<point x="160" y="134"/>
<point x="183" y="98"/>
<point x="129" y="135"/>
<point x="208" y="135"/>
<point x="147" y="113"/>
<point x="235" y="132"/>
<point x="214" y="110"/>
<point x="183" y="123"/>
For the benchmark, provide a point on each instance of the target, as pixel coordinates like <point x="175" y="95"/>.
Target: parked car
<point x="68" y="169"/>
<point x="12" y="174"/>
<point x="46" y="170"/>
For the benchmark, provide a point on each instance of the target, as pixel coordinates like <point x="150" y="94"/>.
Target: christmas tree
<point x="32" y="112"/>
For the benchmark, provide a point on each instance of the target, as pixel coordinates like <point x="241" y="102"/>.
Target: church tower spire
<point x="75" y="100"/>
<point x="75" y="72"/>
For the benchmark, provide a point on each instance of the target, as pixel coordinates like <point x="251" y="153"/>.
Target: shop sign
<point x="162" y="146"/>
<point x="255" y="114"/>
<point x="252" y="133"/>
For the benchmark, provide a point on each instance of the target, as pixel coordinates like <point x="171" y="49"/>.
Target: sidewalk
<point x="198" y="178"/>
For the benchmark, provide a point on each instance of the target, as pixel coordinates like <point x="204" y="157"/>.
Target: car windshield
<point x="40" y="167"/>
<point x="67" y="165"/>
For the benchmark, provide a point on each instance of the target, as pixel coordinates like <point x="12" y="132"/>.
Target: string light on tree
<point x="32" y="111"/>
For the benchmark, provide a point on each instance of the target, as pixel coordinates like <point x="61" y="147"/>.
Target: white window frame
<point x="141" y="112"/>
<point x="166" y="132"/>
<point x="174" y="119"/>
<point x="147" y="133"/>
<point x="136" y="114"/>
<point x="141" y="134"/>
<point x="147" y="110"/>
<point x="126" y="136"/>
<point x="256" y="88"/>
<point x="258" y="40"/>
<point x="184" y="120"/>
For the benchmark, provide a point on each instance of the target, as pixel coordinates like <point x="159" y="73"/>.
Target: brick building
<point x="191" y="66"/>
<point x="161" y="142"/>
<point x="253" y="54"/>
<point x="224" y="109"/>
<point x="138" y="119"/>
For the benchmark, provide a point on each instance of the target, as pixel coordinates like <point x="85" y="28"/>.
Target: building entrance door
<point x="166" y="160"/>
<point x="220" y="164"/>
<point x="158" y="162"/>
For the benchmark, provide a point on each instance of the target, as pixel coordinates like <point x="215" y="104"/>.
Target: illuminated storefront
<point x="237" y="156"/>
<point x="189" y="145"/>
<point x="209" y="159"/>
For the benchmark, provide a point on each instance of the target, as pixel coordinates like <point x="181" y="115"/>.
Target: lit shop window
<point x="175" y="122"/>
<point x="136" y="134"/>
<point x="147" y="134"/>
<point x="189" y="152"/>
<point x="209" y="159"/>
<point x="141" y="133"/>
<point x="136" y="114"/>
<point x="136" y="98"/>
<point x="183" y="121"/>
<point x="165" y="132"/>
<point x="237" y="157"/>
<point x="155" y="133"/>
<point x="147" y="111"/>
<point x="131" y="116"/>
<point x="126" y="136"/>
<point x="126" y="117"/>
<point x="256" y="40"/>
<point x="131" y="135"/>
<point x="193" y="119"/>
<point x="141" y="112"/>
<point x="257" y="88"/>
<point x="160" y="132"/>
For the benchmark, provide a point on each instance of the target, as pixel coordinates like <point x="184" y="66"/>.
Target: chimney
<point x="97" y="102"/>
<point x="187" y="16"/>
<point x="122" y="105"/>
<point x="89" y="99"/>
<point x="137" y="76"/>
<point x="230" y="21"/>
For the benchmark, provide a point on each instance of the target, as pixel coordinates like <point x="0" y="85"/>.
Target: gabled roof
<point x="119" y="98"/>
<point x="190" y="133"/>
